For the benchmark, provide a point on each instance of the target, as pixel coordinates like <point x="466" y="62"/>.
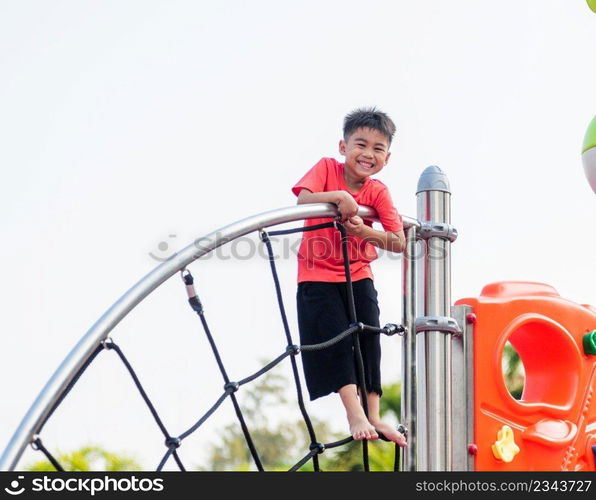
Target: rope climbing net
<point x="172" y="442"/>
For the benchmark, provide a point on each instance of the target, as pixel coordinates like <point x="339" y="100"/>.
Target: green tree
<point x="87" y="458"/>
<point x="513" y="371"/>
<point x="280" y="444"/>
<point x="391" y="400"/>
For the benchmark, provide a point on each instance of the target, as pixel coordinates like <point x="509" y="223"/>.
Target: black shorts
<point x="322" y="315"/>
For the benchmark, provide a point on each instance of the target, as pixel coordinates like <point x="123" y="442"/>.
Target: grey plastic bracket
<point x="443" y="324"/>
<point x="441" y="229"/>
<point x="433" y="179"/>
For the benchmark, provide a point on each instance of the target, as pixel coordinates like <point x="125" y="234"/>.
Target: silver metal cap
<point x="433" y="179"/>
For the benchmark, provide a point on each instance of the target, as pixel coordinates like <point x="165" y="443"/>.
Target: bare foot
<point x="361" y="428"/>
<point x="390" y="433"/>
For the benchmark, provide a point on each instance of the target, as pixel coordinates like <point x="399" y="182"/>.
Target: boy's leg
<point x="322" y="316"/>
<point x="367" y="311"/>
<point x="360" y="427"/>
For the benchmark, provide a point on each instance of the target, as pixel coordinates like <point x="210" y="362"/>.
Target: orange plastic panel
<point x="554" y="423"/>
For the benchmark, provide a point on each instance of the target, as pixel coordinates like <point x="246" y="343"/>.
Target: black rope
<point x="301" y="229"/>
<point x="204" y="417"/>
<point x="70" y="385"/>
<point x="38" y="445"/>
<point x="302" y="461"/>
<point x="318" y="448"/>
<point x="330" y="342"/>
<point x="195" y="303"/>
<point x="310" y="428"/>
<point x="266" y="368"/>
<point x="341" y="442"/>
<point x="353" y="330"/>
<point x="178" y="461"/>
<point x="112" y="346"/>
<point x="355" y="337"/>
<point x="173" y="443"/>
<point x="164" y="459"/>
<point x="387" y="330"/>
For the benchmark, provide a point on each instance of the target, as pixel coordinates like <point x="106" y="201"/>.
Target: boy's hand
<point x="347" y="205"/>
<point x="355" y="225"/>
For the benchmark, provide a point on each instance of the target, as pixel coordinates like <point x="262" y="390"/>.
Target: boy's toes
<point x="390" y="434"/>
<point x="364" y="432"/>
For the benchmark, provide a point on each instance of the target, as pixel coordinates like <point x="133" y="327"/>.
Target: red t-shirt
<point x="320" y="256"/>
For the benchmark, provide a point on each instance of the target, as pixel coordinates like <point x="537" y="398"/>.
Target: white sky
<point x="123" y="123"/>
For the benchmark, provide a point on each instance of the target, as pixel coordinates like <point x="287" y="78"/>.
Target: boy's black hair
<point x="369" y="118"/>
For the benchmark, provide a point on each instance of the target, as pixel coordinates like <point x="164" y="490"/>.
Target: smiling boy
<point x="322" y="295"/>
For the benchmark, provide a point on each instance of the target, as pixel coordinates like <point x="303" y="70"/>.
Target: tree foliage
<point x="281" y="443"/>
<point x="87" y="458"/>
<point x="513" y="371"/>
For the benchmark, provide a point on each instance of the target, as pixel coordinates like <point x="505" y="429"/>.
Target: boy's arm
<point x="393" y="241"/>
<point x="345" y="202"/>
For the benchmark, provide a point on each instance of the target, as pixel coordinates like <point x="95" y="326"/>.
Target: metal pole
<point x="462" y="396"/>
<point x="433" y="206"/>
<point x="408" y="387"/>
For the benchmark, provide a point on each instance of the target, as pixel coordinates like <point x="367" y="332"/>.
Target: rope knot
<point x="359" y="325"/>
<point x="264" y="236"/>
<point x="108" y="343"/>
<point x="35" y="442"/>
<point x="173" y="442"/>
<point x="187" y="278"/>
<point x="231" y="387"/>
<point x="293" y="349"/>
<point x="320" y="447"/>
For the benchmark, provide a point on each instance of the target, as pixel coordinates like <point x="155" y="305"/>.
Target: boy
<point x="321" y="296"/>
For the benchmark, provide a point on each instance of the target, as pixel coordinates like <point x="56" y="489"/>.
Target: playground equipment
<point x="553" y="425"/>
<point x="589" y="152"/>
<point x="456" y="408"/>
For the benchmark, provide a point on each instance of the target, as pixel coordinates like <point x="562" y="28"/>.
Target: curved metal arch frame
<point x="100" y="330"/>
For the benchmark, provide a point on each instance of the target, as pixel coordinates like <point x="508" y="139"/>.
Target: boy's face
<point x="366" y="152"/>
